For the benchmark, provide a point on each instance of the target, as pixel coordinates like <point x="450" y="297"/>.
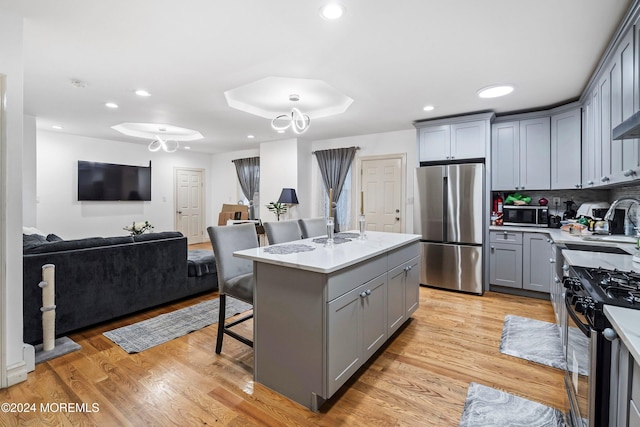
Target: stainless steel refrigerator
<point x="451" y="219"/>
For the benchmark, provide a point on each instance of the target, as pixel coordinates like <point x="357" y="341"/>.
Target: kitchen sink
<point x="596" y="248"/>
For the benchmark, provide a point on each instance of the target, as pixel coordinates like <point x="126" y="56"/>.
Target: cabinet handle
<point x="522" y="187"/>
<point x="552" y="261"/>
<point x="368" y="292"/>
<point x="565" y="267"/>
<point x="604" y="179"/>
<point x="555" y="279"/>
<point x="493" y="248"/>
<point x="363" y="294"/>
<point x="548" y="240"/>
<point x="590" y="182"/>
<point x="407" y="268"/>
<point x="629" y="172"/>
<point x="578" y="185"/>
<point x="505" y="232"/>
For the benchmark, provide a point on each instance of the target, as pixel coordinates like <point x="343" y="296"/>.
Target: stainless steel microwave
<point x="526" y="216"/>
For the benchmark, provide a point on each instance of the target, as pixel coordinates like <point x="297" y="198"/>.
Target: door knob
<point x="397" y="218"/>
<point x="179" y="212"/>
<point x="397" y="210"/>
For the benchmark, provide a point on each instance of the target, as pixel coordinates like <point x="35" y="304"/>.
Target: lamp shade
<point x="288" y="196"/>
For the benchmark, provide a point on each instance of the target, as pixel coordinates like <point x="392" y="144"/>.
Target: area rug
<point x="61" y="346"/>
<point x="488" y="407"/>
<point x="532" y="340"/>
<point x="165" y="327"/>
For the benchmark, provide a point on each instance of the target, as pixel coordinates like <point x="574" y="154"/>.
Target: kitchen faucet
<point x="609" y="215"/>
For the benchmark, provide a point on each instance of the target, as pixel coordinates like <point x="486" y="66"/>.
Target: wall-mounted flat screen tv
<point x="110" y="182"/>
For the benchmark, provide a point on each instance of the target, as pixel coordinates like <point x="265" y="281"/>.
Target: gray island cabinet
<point x="321" y="314"/>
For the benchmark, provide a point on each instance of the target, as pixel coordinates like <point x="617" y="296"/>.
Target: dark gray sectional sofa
<point x="98" y="279"/>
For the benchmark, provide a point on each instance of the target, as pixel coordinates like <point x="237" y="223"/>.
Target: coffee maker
<point x="616" y="225"/>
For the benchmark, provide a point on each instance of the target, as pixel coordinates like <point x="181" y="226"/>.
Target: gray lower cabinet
<point x="520" y="260"/>
<point x="506" y="265"/>
<point x="402" y="293"/>
<point x="357" y="328"/>
<point x="624" y="397"/>
<point x="536" y="273"/>
<point x="505" y="258"/>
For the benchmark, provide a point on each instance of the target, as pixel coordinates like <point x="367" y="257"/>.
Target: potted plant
<point x="277" y="208"/>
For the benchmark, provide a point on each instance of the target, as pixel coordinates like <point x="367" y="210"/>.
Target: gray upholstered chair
<point x="235" y="275"/>
<point x="282" y="231"/>
<point x="313" y="227"/>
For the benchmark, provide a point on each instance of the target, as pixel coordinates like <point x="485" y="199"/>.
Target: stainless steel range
<point x="588" y="351"/>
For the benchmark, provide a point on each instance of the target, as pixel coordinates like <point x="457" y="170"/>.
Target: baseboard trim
<point x="16" y="373"/>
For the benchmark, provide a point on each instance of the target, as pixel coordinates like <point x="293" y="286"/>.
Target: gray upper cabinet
<point x="591" y="167"/>
<point x="624" y="153"/>
<point x="466" y="140"/>
<point x="521" y="155"/>
<point x="566" y="141"/>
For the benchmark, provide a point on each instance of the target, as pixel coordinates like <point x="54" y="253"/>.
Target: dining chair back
<point x="235" y="275"/>
<point x="282" y="231"/>
<point x="313" y="227"/>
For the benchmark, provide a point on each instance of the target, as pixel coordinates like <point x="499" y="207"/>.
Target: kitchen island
<point x="320" y="312"/>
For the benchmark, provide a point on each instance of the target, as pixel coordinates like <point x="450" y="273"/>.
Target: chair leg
<point x="221" y="316"/>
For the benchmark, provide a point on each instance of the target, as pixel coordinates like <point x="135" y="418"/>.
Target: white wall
<point x="13" y="368"/>
<point x="278" y="170"/>
<point x="29" y="172"/>
<point x="398" y="142"/>
<point x="59" y="211"/>
<point x="225" y="187"/>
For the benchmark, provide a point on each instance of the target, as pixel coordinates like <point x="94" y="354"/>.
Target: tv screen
<point x="107" y="181"/>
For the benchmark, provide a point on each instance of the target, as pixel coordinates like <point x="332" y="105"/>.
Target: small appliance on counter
<point x="593" y="210"/>
<point x="554" y="221"/>
<point x="569" y="213"/>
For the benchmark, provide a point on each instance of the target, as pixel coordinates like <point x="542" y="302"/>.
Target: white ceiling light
<point x="250" y="136"/>
<point x="332" y="11"/>
<point x="142" y="92"/>
<point x="168" y="145"/>
<point x="495" y="91"/>
<point x="296" y="120"/>
<point x="169" y="141"/>
<point x="111" y="105"/>
<point x="56" y="127"/>
<point x="429" y="108"/>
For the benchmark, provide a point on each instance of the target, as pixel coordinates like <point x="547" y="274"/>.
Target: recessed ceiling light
<point x="111" y="105"/>
<point x="142" y="92"/>
<point x="332" y="11"/>
<point x="250" y="136"/>
<point x="495" y="91"/>
<point x="187" y="148"/>
<point x="57" y="127"/>
<point x="280" y="131"/>
<point x="429" y="108"/>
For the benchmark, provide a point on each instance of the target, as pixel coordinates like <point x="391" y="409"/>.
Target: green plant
<point x="277" y="208"/>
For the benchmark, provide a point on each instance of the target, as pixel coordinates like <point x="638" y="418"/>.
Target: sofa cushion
<point x="32" y="241"/>
<point x="90" y="242"/>
<point x="156" y="236"/>
<point x="200" y="262"/>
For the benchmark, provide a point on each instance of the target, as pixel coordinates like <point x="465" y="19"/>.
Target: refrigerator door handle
<point x="445" y="201"/>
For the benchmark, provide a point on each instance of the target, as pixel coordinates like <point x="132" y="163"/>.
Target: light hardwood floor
<point x="420" y="378"/>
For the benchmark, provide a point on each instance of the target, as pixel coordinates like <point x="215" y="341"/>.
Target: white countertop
<point x="329" y="259"/>
<point x="626" y="322"/>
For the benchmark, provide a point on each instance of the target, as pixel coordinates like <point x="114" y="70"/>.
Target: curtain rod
<point x="357" y="148"/>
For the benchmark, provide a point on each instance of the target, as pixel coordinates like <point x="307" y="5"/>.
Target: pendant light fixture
<point x="297" y="121"/>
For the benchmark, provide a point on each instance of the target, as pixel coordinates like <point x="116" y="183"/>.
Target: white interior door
<point x="190" y="212"/>
<point x="383" y="186"/>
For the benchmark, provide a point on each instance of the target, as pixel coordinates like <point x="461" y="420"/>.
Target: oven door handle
<point x="585" y="330"/>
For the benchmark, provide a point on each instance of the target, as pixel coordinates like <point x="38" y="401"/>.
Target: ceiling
<point x="391" y="58"/>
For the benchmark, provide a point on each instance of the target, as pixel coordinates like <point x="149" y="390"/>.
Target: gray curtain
<point x="334" y="165"/>
<point x="248" y="171"/>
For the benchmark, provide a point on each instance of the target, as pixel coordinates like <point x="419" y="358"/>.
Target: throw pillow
<point x="31" y="241"/>
<point x="53" y="238"/>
